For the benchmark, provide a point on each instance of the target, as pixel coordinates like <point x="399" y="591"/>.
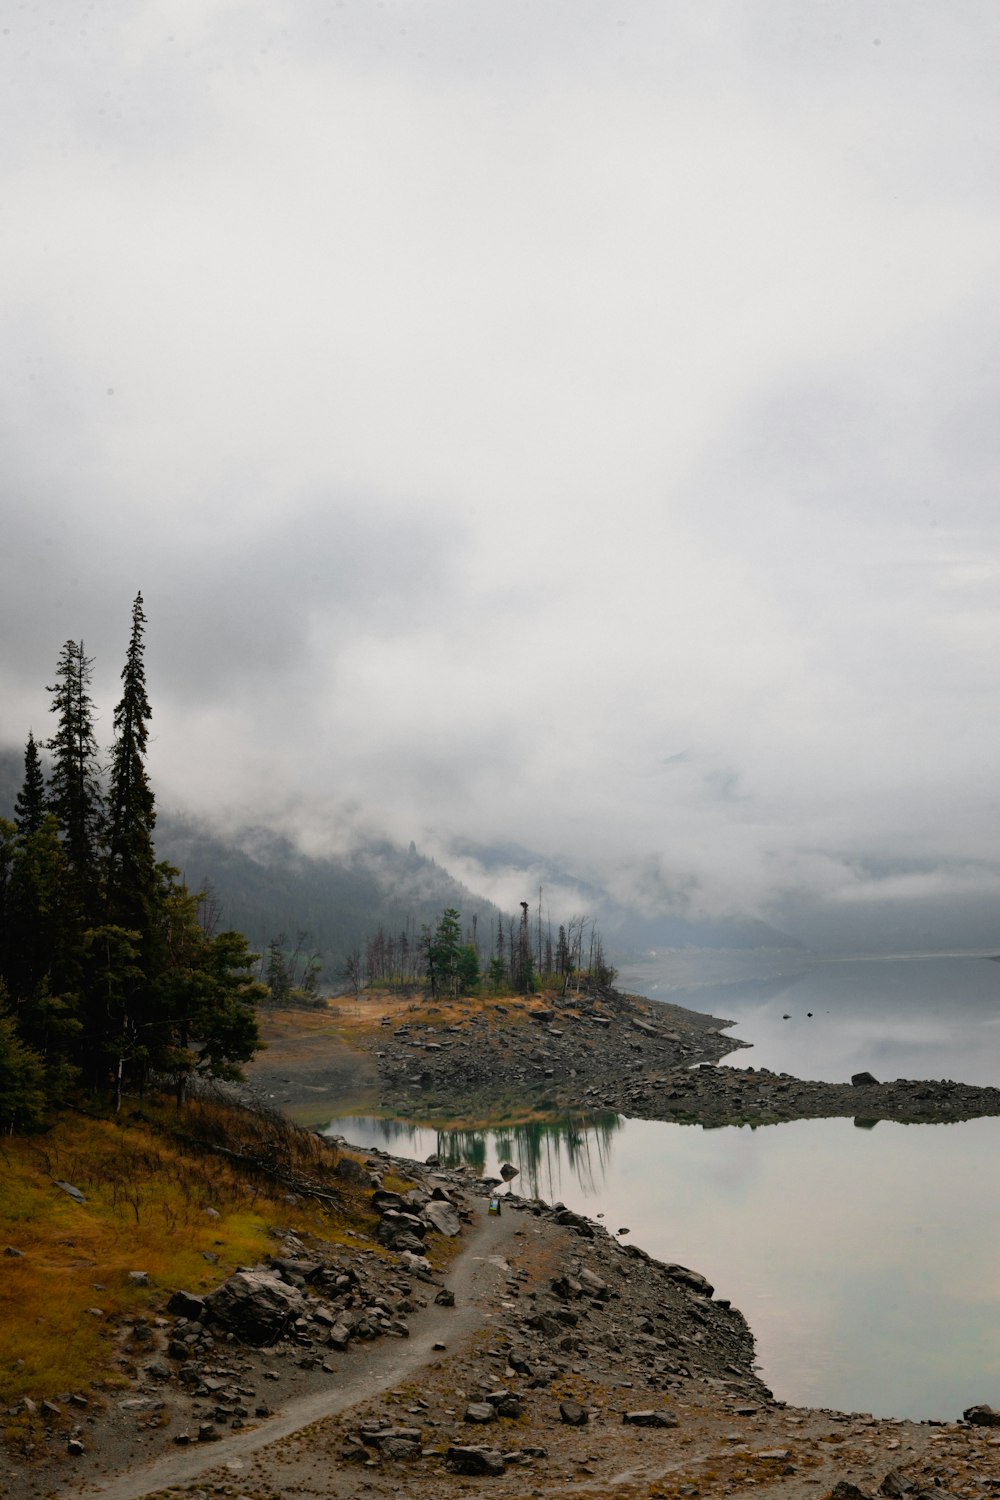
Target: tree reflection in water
<point x="545" y="1152"/>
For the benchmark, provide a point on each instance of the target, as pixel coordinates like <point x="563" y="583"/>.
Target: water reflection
<point x="863" y="1259"/>
<point x="897" y="1017"/>
<point x="549" y="1154"/>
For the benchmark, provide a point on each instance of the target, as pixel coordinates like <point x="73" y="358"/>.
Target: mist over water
<point x="912" y="1017"/>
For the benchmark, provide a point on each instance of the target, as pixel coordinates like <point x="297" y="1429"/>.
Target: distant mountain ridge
<point x="266" y="887"/>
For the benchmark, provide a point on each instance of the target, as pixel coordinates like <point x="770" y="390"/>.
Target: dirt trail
<point x="366" y="1370"/>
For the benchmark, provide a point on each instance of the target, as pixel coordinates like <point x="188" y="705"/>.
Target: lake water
<point x="933" y="1017"/>
<point x="864" y="1259"/>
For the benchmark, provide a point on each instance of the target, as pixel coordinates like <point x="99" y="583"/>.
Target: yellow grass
<point x="67" y="1303"/>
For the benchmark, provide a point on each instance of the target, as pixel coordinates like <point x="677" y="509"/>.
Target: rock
<point x="187" y="1305"/>
<point x="11" y="1252"/>
<point x="139" y="1278"/>
<point x="75" y="1447"/>
<point x="417" y="1265"/>
<point x="649" y="1418"/>
<point x="480" y="1411"/>
<point x="863" y="1080"/>
<point x="845" y="1490"/>
<point x="71" y="1191"/>
<point x="384" y="1198"/>
<point x="982" y="1416"/>
<point x="469" y="1460"/>
<point x="208" y="1433"/>
<point x="505" y="1403"/>
<point x="256" y="1306"/>
<point x="349" y="1170"/>
<point x="444" y="1217"/>
<point x="508" y="1172"/>
<point x="573" y="1414"/>
<point x="296" y="1268"/>
<point x="692" y="1279"/>
<point x="445" y="1297"/>
<point x="394" y="1442"/>
<point x="593" y="1285"/>
<point x="895" y="1485"/>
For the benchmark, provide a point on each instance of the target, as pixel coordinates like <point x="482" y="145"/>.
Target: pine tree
<point x="131" y="863"/>
<point x="29" y="808"/>
<point x="75" y="787"/>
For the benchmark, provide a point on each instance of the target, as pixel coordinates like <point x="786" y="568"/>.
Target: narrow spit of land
<point x="546" y="1054"/>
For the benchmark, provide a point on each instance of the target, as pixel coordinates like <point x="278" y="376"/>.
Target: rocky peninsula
<point x="641" y="1058"/>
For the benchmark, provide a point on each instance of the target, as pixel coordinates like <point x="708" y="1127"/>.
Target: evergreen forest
<point x="112" y="972"/>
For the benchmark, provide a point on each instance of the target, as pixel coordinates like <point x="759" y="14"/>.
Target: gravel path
<point x="366" y="1371"/>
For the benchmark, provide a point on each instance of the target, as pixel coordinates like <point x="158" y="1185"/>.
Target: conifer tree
<point x="29" y="808"/>
<point x="131" y="863"/>
<point x="74" y="786"/>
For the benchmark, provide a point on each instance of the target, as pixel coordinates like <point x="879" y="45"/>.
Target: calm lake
<point x="864" y="1259"/>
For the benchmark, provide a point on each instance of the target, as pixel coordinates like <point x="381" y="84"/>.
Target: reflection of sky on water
<point x="898" y="1018"/>
<point x="863" y="1260"/>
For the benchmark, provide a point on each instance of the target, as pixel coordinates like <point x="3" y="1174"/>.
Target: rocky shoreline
<point x="587" y="1369"/>
<point x="638" y="1057"/>
<point x="527" y="1353"/>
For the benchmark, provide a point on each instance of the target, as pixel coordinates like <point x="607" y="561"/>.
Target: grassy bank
<point x="183" y="1197"/>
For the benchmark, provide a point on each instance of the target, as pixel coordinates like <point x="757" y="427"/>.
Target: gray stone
<point x="863" y="1080"/>
<point x="256" y="1306"/>
<point x="649" y="1418"/>
<point x="349" y="1170"/>
<point x="982" y="1416"/>
<point x="139" y="1278"/>
<point x="444" y="1217"/>
<point x="480" y="1411"/>
<point x="573" y="1414"/>
<point x="474" y="1460"/>
<point x="187" y="1305"/>
<point x="895" y="1485"/>
<point x="71" y="1191"/>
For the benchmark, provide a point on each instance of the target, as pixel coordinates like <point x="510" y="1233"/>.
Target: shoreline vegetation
<point x="426" y="1341"/>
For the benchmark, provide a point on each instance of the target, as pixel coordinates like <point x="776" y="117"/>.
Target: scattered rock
<point x="256" y="1306"/>
<point x="71" y="1191"/>
<point x="649" y="1418"/>
<point x="982" y="1416"/>
<point x="473" y="1460"/>
<point x="573" y="1414"/>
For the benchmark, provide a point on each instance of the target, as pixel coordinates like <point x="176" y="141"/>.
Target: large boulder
<point x="256" y="1306"/>
<point x="464" y="1459"/>
<point x="444" y="1217"/>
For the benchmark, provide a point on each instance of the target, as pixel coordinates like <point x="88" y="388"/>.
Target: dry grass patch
<point x="169" y="1207"/>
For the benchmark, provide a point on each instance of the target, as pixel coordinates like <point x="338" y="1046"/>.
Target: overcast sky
<point x="571" y="423"/>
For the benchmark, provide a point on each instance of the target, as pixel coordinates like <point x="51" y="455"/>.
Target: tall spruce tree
<point x="131" y="884"/>
<point x="29" y="808"/>
<point x="75" y="785"/>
